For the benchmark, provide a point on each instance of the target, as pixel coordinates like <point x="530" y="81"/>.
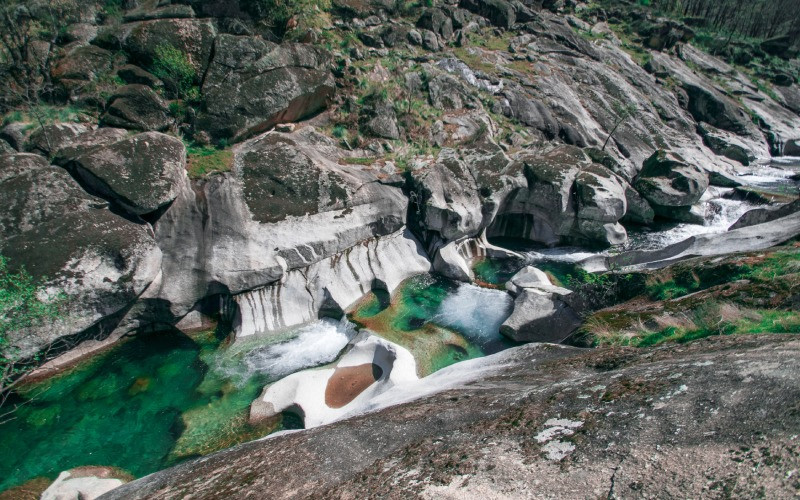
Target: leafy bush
<point x="279" y="13"/>
<point x="20" y="308"/>
<point x="172" y="65"/>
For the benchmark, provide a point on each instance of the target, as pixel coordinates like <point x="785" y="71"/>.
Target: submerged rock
<point x="85" y="483"/>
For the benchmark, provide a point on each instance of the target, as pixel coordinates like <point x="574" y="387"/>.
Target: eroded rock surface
<point x="565" y="421"/>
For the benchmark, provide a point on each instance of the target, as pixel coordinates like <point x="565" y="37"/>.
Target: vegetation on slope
<point x="741" y="294"/>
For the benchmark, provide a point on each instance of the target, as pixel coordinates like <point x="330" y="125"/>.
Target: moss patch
<point x="207" y="160"/>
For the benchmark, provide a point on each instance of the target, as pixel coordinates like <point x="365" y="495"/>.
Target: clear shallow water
<point x="477" y="313"/>
<point x="153" y="401"/>
<point x="440" y="321"/>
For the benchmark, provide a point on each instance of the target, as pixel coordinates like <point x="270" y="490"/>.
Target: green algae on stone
<point x="408" y="321"/>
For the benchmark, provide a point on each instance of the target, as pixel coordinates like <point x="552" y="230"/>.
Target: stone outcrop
<point x="370" y="367"/>
<point x="100" y="262"/>
<point x="542" y="312"/>
<point x="252" y="85"/>
<point x="670" y="185"/>
<point x="137" y="107"/>
<point x="566" y="198"/>
<point x="141" y="173"/>
<point x="291" y="232"/>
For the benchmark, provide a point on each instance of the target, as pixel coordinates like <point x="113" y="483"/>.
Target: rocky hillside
<point x="431" y="129"/>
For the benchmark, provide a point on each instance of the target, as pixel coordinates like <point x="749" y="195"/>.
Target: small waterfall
<point x="312" y="345"/>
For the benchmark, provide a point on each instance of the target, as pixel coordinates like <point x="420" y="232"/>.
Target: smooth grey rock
<point x="726" y="144"/>
<point x="639" y="211"/>
<point x="252" y="85"/>
<point x="743" y="239"/>
<point x="527" y="277"/>
<point x="287" y="205"/>
<point x="541" y="315"/>
<point x="765" y="214"/>
<point x="668" y="182"/>
<point x="542" y="396"/>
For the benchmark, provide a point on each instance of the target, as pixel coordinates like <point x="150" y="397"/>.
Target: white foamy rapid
<point x="720" y="214"/>
<point x="475" y="312"/>
<point x="312" y="345"/>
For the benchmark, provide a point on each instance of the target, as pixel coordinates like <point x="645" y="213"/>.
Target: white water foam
<point x="475" y="312"/>
<point x="314" y="344"/>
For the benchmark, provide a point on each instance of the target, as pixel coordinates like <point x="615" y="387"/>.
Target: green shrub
<point x="172" y="65"/>
<point x="21" y="308"/>
<point x="277" y="13"/>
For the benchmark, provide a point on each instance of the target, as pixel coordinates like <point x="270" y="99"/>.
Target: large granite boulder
<point x="85" y="142"/>
<point x="601" y="204"/>
<point x="82" y="64"/>
<point x="567" y="198"/>
<point x="99" y="261"/>
<point x="541" y="314"/>
<point x="670" y="185"/>
<point x="726" y="144"/>
<point x="448" y="198"/>
<point x="137" y="107"/>
<point x="707" y="104"/>
<point x="252" y="85"/>
<point x="378" y="119"/>
<point x="50" y="138"/>
<point x="193" y="37"/>
<point x="141" y="173"/>
<point x="499" y="12"/>
<point x="437" y="21"/>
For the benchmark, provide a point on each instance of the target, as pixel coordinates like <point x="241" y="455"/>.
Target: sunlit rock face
<point x="291" y="232"/>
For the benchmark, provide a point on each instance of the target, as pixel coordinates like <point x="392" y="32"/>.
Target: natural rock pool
<point x="157" y="399"/>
